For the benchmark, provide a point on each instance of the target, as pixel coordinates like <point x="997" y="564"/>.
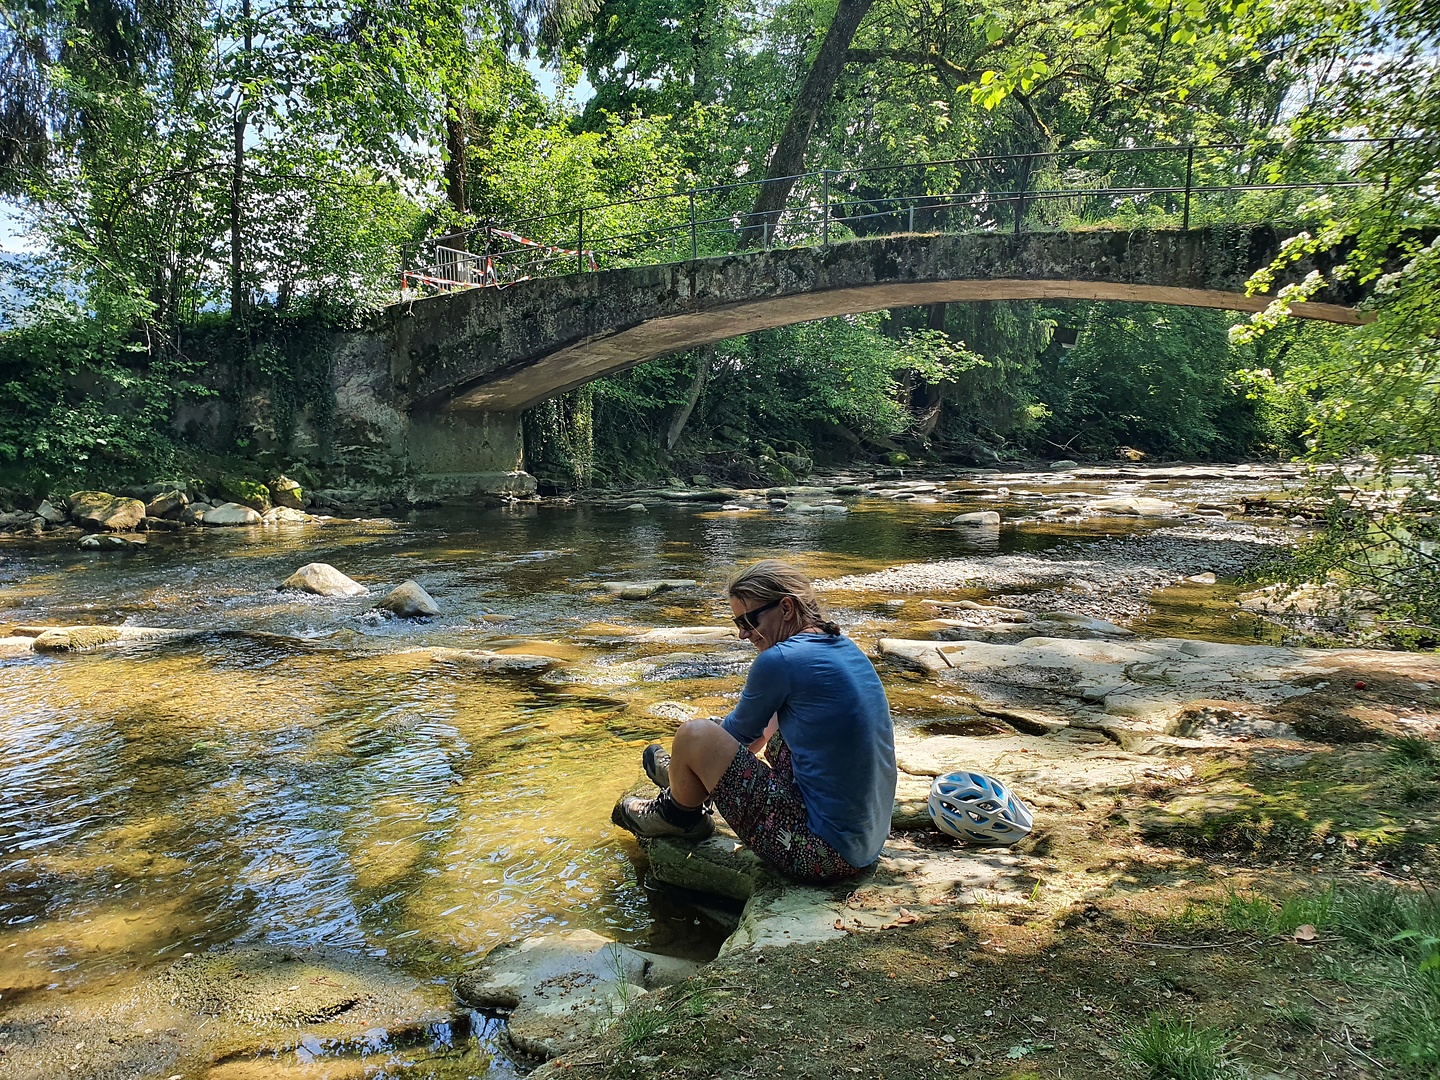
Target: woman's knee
<point x="703" y="740"/>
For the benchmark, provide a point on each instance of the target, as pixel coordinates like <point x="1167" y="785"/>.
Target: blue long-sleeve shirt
<point x="836" y="721"/>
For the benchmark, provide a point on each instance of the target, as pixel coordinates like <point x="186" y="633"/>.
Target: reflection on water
<point x="296" y="773"/>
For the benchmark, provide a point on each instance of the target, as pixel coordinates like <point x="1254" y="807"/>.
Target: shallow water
<point x="299" y="773"/>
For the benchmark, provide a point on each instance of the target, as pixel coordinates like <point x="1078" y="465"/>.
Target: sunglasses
<point x="747" y="620"/>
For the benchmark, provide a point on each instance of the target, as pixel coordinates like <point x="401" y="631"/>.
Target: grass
<point x="1412" y="750"/>
<point x="1403" y="927"/>
<point x="1167" y="1048"/>
<point x="1266" y="917"/>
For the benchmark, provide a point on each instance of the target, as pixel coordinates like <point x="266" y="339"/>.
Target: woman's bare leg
<point x="701" y="753"/>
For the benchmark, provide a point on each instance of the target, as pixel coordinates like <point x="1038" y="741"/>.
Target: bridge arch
<point x="503" y="350"/>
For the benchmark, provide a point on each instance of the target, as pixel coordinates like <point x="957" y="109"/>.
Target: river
<point x="298" y="772"/>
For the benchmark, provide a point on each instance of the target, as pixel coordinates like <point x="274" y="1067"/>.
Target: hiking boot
<point x="657" y="765"/>
<point x="657" y="817"/>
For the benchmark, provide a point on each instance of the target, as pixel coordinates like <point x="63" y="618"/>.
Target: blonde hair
<point x="771" y="579"/>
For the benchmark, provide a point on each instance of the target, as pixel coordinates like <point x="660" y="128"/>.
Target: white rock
<point x="322" y="579"/>
<point x="230" y="514"/>
<point x="1064" y="464"/>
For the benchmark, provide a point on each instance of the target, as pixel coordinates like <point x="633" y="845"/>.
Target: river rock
<point x="490" y="661"/>
<point x="1066" y="463"/>
<point x="99" y="511"/>
<point x="559" y="988"/>
<point x="251" y="493"/>
<point x="637" y="508"/>
<point x="76" y="638"/>
<point x="110" y="540"/>
<point x="167" y="504"/>
<point x="286" y="492"/>
<point x="643" y="590"/>
<point x="50" y="513"/>
<point x="409" y="601"/>
<point x="284" y="515"/>
<point x="322" y="579"/>
<point x="1134" y="506"/>
<point x="980" y="519"/>
<point x="230" y="514"/>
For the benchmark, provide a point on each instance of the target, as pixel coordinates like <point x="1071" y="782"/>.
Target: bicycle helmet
<point x="978" y="808"/>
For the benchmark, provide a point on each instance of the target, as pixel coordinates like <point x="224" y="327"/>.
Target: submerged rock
<point x="99" y="511"/>
<point x="409" y="601"/>
<point x="77" y="638"/>
<point x="643" y="590"/>
<point x="322" y="579"/>
<point x="980" y="519"/>
<point x="110" y="540"/>
<point x="561" y="988"/>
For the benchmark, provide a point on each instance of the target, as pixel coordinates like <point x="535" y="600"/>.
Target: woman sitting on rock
<point x="820" y="811"/>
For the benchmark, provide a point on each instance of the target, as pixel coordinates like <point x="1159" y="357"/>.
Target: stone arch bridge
<point x="445" y="378"/>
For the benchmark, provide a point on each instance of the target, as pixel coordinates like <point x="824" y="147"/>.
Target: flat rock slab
<point x="908" y="882"/>
<point x="1148" y="682"/>
<point x="62" y="639"/>
<point x="489" y="661"/>
<point x="561" y="988"/>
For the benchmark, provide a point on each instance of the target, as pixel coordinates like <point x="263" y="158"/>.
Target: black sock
<point x="674" y="813"/>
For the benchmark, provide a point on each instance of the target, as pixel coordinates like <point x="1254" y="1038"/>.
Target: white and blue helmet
<point x="978" y="808"/>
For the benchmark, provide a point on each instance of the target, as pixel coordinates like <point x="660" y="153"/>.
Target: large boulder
<point x="230" y="514"/>
<point x="249" y="493"/>
<point x="322" y="579"/>
<point x="286" y="492"/>
<point x="167" y="504"/>
<point x="409" y="601"/>
<point x="99" y="511"/>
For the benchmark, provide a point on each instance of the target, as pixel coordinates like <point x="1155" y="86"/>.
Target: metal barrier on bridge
<point x="1125" y="187"/>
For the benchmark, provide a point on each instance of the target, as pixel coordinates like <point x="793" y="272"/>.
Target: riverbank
<point x="387" y="800"/>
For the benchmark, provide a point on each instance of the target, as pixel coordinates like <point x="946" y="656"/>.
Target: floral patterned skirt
<point x="765" y="808"/>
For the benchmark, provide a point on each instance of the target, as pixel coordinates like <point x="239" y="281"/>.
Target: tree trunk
<point x="677" y="425"/>
<point x="238" y="299"/>
<point x="788" y="158"/>
<point x="455" y="157"/>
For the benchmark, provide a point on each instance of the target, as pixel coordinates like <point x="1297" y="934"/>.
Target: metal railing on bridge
<point x="1125" y="187"/>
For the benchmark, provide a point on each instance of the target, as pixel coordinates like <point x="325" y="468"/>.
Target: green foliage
<point x="85" y="395"/>
<point x="1163" y="379"/>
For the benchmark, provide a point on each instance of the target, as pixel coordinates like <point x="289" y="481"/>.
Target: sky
<point x="11" y="229"/>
